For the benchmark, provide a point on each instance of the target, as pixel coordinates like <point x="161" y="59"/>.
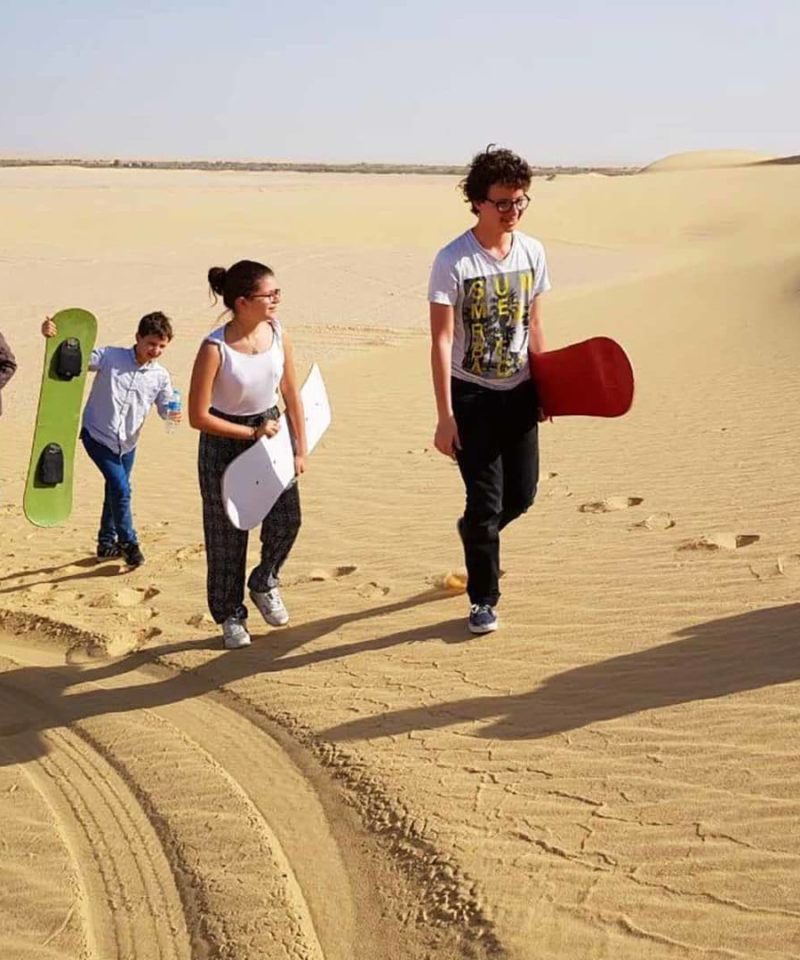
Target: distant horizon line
<point x="287" y="166"/>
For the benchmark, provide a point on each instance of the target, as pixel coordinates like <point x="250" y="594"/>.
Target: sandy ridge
<point x="611" y="775"/>
<point x="129" y="901"/>
<point x="218" y="743"/>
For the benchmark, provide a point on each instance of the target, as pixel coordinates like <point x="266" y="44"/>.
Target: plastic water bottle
<point x="175" y="405"/>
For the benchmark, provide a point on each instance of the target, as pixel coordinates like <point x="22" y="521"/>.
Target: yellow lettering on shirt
<point x="477" y="290"/>
<point x="478" y="310"/>
<point x="501" y="285"/>
<point x="507" y="365"/>
<point x="478" y="348"/>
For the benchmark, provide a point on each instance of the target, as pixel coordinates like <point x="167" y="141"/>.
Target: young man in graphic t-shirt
<point x="485" y="315"/>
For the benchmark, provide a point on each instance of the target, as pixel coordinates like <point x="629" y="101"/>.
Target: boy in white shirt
<point x="485" y="316"/>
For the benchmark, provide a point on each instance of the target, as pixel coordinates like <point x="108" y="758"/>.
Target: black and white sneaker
<point x="482" y="618"/>
<point x="108" y="551"/>
<point x="131" y="554"/>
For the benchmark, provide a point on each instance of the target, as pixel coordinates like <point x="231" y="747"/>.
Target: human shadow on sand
<point x="35" y="698"/>
<point x="94" y="568"/>
<point x="712" y="660"/>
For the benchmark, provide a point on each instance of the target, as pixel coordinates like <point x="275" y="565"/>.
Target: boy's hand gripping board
<point x="593" y="378"/>
<point x="256" y="478"/>
<point x="48" y="490"/>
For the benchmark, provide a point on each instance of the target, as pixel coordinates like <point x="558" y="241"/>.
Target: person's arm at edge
<point x="49" y="329"/>
<point x="535" y="328"/>
<point x="442" y="320"/>
<point x="290" y="390"/>
<point x="536" y="337"/>
<point x="205" y="369"/>
<point x="8" y="363"/>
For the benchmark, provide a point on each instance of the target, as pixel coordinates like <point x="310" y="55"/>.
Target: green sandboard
<point x="57" y="420"/>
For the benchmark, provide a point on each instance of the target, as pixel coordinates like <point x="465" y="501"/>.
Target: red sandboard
<point x="593" y="378"/>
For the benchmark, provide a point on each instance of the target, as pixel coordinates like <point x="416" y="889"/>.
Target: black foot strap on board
<point x="50" y="469"/>
<point x="68" y="359"/>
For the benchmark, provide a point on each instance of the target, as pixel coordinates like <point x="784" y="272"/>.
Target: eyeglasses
<point x="272" y="295"/>
<point x="505" y="206"/>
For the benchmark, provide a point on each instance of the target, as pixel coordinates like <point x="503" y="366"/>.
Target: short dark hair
<point x="156" y="324"/>
<point x="494" y="165"/>
<point x="240" y="280"/>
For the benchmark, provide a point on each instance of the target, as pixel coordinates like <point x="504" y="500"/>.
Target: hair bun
<point x="216" y="279"/>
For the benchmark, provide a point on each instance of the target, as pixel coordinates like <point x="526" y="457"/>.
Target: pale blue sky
<point x="562" y="81"/>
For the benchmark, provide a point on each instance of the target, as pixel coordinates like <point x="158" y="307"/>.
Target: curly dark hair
<point x="494" y="165"/>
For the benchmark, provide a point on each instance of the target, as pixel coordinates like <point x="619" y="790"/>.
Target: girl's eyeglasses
<point x="272" y="295"/>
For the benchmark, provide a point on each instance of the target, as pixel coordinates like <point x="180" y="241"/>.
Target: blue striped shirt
<point x="121" y="396"/>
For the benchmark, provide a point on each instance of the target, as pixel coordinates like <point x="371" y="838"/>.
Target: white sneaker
<point x="271" y="606"/>
<point x="234" y="634"/>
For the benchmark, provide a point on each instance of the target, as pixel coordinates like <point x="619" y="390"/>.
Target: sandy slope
<point x="707" y="160"/>
<point x="611" y="775"/>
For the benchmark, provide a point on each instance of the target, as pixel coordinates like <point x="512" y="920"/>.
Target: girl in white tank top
<point x="240" y="372"/>
<point x="247" y="383"/>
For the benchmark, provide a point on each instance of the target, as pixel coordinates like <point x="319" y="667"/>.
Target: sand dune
<point x="706" y="160"/>
<point x="610" y="775"/>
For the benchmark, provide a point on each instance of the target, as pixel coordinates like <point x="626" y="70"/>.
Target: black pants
<point x="226" y="545"/>
<point x="499" y="463"/>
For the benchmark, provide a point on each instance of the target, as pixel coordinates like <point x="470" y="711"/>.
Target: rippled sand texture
<point x="611" y="775"/>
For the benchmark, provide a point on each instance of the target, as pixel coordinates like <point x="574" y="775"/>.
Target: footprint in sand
<point x="126" y="597"/>
<point x="61" y="597"/>
<point x="142" y="614"/>
<point x="611" y="504"/>
<point x="372" y="590"/>
<point x="720" y="541"/>
<point x="332" y="573"/>
<point x="656" y="521"/>
<point x="41" y="588"/>
<point x="784" y="566"/>
<point x="68" y="596"/>
<point x="551" y="486"/>
<point x="195" y="552"/>
<point x="200" y="620"/>
<point x="86" y="652"/>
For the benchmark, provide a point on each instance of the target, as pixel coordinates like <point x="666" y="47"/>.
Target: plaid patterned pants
<point x="226" y="547"/>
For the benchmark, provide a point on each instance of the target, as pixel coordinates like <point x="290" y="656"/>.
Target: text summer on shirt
<point x="491" y="299"/>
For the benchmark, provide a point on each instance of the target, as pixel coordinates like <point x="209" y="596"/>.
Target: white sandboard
<point x="256" y="478"/>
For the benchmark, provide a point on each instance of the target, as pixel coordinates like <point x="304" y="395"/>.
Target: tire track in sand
<point x="259" y="867"/>
<point x="129" y="903"/>
<point x="146" y="775"/>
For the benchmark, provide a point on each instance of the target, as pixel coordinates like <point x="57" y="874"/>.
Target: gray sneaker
<point x="234" y="634"/>
<point x="271" y="606"/>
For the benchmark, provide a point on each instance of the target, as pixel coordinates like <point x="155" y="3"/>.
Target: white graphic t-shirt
<point x="492" y="300"/>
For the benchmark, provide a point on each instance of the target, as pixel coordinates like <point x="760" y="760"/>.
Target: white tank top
<point x="247" y="383"/>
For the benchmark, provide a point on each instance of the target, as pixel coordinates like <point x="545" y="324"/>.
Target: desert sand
<point x="613" y="774"/>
